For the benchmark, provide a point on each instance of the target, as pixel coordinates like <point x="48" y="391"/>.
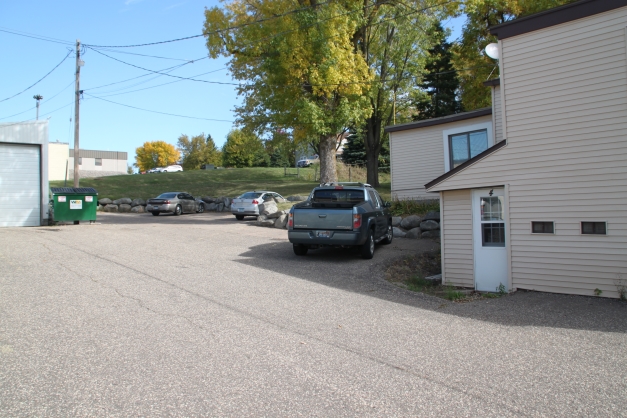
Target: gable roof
<point x="556" y="16"/>
<point x="441" y="120"/>
<point x="466" y="164"/>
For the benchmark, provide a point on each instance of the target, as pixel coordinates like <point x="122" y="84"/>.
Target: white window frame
<point x="487" y="126"/>
<point x="542" y="233"/>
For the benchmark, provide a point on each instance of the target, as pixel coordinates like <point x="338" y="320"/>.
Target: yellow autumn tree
<point x="155" y="154"/>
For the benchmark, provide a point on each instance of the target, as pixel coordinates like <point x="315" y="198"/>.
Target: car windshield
<point x="166" y="196"/>
<point x="330" y="196"/>
<point x="250" y="195"/>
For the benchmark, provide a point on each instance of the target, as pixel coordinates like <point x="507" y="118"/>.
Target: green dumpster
<point x="74" y="204"/>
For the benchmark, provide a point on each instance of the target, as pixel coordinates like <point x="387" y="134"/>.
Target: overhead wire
<point x="48" y="100"/>
<point x="36" y="82"/>
<point x="155" y="111"/>
<point x="39" y="37"/>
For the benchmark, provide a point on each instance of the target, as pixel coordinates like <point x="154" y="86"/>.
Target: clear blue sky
<point x="105" y="125"/>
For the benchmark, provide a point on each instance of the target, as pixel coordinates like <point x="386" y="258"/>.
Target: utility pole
<point x="77" y="94"/>
<point x="38" y="97"/>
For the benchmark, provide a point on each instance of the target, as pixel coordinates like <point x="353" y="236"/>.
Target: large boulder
<point x="208" y="199"/>
<point x="220" y="207"/>
<point x="138" y="209"/>
<point x="410" y="222"/>
<point x="281" y="221"/>
<point x="413" y="233"/>
<point x="262" y="217"/>
<point x="123" y="201"/>
<point x="398" y="233"/>
<point x="269" y="223"/>
<point x="124" y="208"/>
<point x="429" y="225"/>
<point x="396" y="220"/>
<point x="105" y="201"/>
<point x="100" y="208"/>
<point x="431" y="234"/>
<point x="111" y="208"/>
<point x="268" y="207"/>
<point x="138" y="202"/>
<point x="432" y="216"/>
<point x="296" y="198"/>
<point x="211" y="207"/>
<point x="276" y="214"/>
<point x="227" y="202"/>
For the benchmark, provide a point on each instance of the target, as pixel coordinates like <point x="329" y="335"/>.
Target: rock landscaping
<point x="412" y="226"/>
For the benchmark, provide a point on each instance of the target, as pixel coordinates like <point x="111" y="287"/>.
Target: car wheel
<point x="389" y="235"/>
<point x="367" y="249"/>
<point x="300" y="249"/>
<point x="239" y="217"/>
<point x="201" y="208"/>
<point x="155" y="213"/>
<point x="178" y="210"/>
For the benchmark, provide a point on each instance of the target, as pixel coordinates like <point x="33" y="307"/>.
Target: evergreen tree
<point x="354" y="152"/>
<point x="439" y="82"/>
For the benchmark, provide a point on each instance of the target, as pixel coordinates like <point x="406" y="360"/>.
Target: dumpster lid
<point x="66" y="190"/>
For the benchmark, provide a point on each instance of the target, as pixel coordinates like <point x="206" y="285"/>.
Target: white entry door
<point x="488" y="213"/>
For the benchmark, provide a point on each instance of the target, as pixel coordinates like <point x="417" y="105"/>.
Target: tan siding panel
<point x="458" y="252"/>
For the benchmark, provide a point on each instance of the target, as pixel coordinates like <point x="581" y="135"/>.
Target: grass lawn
<point x="228" y="182"/>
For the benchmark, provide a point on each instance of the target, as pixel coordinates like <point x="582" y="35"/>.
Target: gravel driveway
<point x="202" y="315"/>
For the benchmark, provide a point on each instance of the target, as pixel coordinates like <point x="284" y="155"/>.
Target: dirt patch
<point x="418" y="273"/>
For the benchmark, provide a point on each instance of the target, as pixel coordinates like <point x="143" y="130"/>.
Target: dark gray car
<point x="176" y="203"/>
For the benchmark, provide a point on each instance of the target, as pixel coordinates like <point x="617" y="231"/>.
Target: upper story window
<point x="463" y="146"/>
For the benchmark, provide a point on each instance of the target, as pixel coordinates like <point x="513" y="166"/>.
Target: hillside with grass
<point x="233" y="182"/>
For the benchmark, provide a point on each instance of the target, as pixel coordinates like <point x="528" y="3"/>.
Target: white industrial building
<point x="24" y="173"/>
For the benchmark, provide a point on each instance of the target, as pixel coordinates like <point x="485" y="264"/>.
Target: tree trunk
<point x="372" y="142"/>
<point x="328" y="172"/>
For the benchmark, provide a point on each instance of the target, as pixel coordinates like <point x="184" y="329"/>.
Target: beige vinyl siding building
<point x="564" y="85"/>
<point x="456" y="238"/>
<point x="418" y="151"/>
<point x="99" y="163"/>
<point x="58" y="153"/>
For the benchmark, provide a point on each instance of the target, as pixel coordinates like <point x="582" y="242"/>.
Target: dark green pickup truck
<point x="341" y="215"/>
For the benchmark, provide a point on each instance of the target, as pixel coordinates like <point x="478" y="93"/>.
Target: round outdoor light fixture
<point x="492" y="51"/>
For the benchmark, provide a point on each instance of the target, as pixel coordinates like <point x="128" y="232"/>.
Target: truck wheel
<point x="389" y="235"/>
<point x="367" y="249"/>
<point x="300" y="249"/>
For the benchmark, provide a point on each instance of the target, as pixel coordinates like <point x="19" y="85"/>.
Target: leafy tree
<point x="440" y="81"/>
<point x="472" y="65"/>
<point x="155" y="154"/>
<point x="197" y="151"/>
<point x="242" y="149"/>
<point x="301" y="69"/>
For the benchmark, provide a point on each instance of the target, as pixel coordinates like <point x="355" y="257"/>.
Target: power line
<point x="48" y="100"/>
<point x="168" y="75"/>
<point x="49" y="72"/>
<point x="39" y="37"/>
<point x="145" y="55"/>
<point x="154" y="111"/>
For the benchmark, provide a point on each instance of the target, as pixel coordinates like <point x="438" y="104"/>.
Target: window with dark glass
<point x="464" y="146"/>
<point x="492" y="222"/>
<point x="98" y="161"/>
<point x="542" y="227"/>
<point x="594" y="228"/>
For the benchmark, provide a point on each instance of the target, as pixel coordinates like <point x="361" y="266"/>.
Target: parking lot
<point x="203" y="315"/>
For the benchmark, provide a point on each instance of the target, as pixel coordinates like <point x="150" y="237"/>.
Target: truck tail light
<point x="290" y="221"/>
<point x="356" y="221"/>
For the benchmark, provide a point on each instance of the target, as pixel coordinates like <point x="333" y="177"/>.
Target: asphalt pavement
<point x="203" y="315"/>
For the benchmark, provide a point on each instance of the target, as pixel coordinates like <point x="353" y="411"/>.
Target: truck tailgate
<point x="323" y="219"/>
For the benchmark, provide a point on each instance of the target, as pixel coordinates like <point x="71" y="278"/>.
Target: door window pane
<point x="492" y="208"/>
<point x="493" y="234"/>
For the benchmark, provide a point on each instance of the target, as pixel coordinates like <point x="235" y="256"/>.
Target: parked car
<point x="155" y="170"/>
<point x="172" y="168"/>
<point x="176" y="203"/>
<point x="303" y="163"/>
<point x="248" y="203"/>
<point x="340" y="215"/>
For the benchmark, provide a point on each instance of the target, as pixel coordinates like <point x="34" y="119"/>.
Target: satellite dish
<point x="492" y="51"/>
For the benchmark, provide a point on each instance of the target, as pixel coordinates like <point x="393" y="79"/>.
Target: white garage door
<point x="20" y="190"/>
